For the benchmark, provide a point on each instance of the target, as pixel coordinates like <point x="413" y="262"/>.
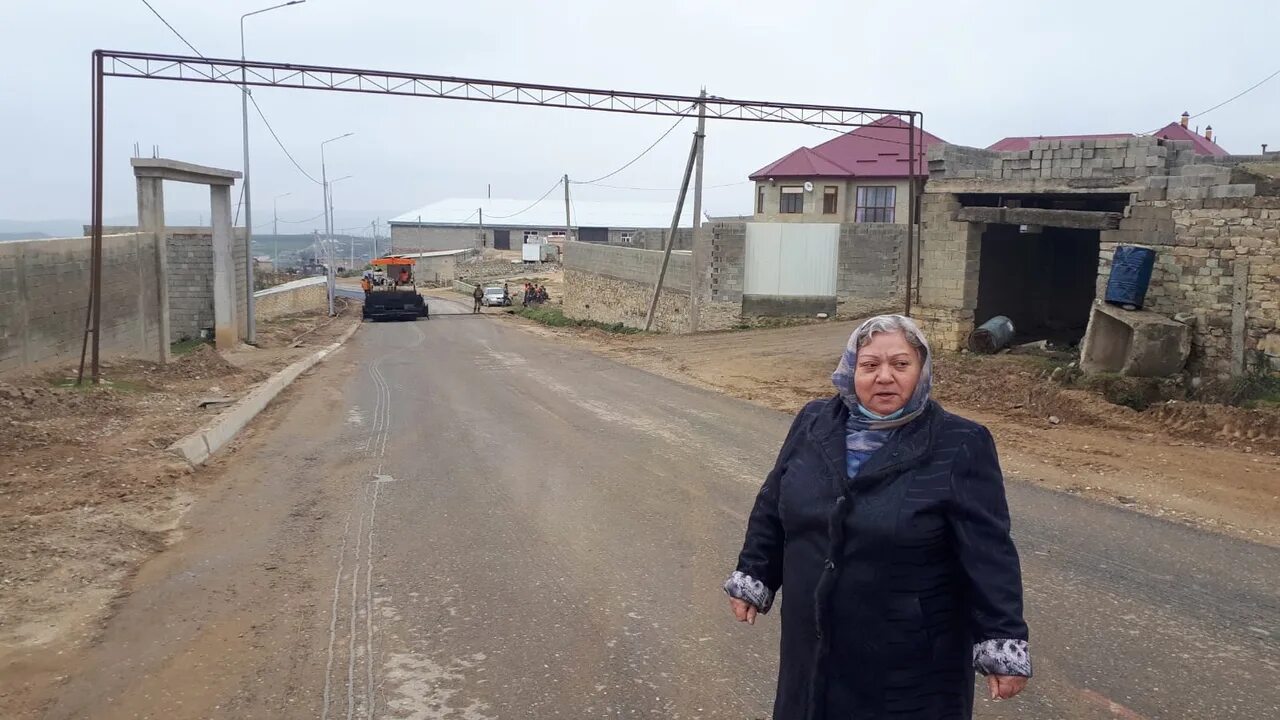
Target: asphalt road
<point x="456" y="518"/>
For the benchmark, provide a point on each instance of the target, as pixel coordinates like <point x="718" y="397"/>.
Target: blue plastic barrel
<point x="1130" y="276"/>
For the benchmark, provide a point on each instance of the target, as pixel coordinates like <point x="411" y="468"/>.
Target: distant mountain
<point x="22" y="236"/>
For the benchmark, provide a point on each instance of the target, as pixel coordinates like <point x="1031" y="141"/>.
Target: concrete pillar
<point x="225" y="327"/>
<point x="151" y="220"/>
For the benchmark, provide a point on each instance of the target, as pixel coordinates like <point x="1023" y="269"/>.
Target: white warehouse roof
<point x="548" y="213"/>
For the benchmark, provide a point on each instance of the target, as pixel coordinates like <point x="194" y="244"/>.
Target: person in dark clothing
<point x="477" y="295"/>
<point x="885" y="520"/>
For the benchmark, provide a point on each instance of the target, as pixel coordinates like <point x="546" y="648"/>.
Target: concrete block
<point x="1134" y="342"/>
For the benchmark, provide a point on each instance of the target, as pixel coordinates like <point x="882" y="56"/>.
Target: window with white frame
<point x="627" y="238"/>
<point x="531" y="236"/>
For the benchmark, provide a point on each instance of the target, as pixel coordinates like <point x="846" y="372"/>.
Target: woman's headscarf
<point x="865" y="431"/>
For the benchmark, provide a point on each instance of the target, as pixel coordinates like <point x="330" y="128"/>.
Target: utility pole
<point x="567" y="230"/>
<point x="698" y="266"/>
<point x="483" y="240"/>
<point x="373" y="233"/>
<point x="671" y="234"/>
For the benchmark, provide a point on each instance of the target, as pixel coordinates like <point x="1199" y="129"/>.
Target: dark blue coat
<point x="890" y="578"/>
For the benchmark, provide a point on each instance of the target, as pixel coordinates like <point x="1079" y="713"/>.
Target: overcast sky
<point x="979" y="70"/>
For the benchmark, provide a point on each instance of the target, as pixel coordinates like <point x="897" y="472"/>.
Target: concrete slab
<point x="179" y="171"/>
<point x="1137" y="343"/>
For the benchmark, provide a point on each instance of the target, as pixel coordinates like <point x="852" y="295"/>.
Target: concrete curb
<point x="200" y="445"/>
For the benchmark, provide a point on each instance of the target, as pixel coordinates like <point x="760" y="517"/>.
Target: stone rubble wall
<point x="1210" y="252"/>
<point x="1214" y="222"/>
<point x="608" y="299"/>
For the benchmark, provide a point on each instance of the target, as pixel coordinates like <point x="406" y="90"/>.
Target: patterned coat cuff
<point x="744" y="587"/>
<point x="1002" y="657"/>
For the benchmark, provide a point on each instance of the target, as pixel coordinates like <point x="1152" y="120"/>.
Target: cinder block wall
<point x="871" y="269"/>
<point x="44" y="296"/>
<point x="190" y="253"/>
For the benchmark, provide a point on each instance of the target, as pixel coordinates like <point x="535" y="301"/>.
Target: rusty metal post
<point x="911" y="205"/>
<point x="93" y="322"/>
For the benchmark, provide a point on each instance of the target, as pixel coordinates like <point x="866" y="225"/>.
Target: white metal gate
<point x="791" y="259"/>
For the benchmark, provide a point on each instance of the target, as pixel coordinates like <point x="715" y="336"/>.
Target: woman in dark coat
<point x="885" y="521"/>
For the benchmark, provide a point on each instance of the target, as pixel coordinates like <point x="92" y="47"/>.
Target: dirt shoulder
<point x="1211" y="466"/>
<point x="88" y="490"/>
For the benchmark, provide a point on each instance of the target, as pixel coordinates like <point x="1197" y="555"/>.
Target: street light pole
<point x="251" y="329"/>
<point x="324" y="207"/>
<point x="332" y="222"/>
<point x="275" y="231"/>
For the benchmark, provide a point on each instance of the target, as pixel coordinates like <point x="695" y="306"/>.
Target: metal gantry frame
<point x="222" y="71"/>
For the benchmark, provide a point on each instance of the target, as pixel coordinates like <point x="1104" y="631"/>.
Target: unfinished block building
<point x="1030" y="235"/>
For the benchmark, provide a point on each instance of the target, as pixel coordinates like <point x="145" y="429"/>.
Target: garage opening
<point x="1043" y="279"/>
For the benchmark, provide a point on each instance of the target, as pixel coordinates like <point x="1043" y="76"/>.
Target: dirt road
<point x="1180" y="461"/>
<point x="455" y="518"/>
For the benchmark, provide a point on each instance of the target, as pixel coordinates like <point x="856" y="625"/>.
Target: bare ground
<point x="88" y="490"/>
<point x="1212" y="466"/>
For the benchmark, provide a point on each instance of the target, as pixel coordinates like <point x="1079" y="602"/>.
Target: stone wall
<point x="632" y="264"/>
<point x="44" y="297"/>
<point x="652" y="238"/>
<point x="305" y="295"/>
<point x="871" y="268"/>
<point x="613" y="284"/>
<point x="1214" y="223"/>
<point x="1217" y="261"/>
<point x="608" y="299"/>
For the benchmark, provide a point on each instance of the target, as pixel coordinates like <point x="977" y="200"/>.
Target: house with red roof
<point x="859" y="176"/>
<point x="1203" y="144"/>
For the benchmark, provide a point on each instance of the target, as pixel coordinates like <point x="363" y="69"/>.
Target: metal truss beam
<point x="184" y="68"/>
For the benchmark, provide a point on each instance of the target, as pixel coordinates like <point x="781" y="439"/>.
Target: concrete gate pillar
<point x="151" y="220"/>
<point x="225" y="326"/>
<point x="151" y="174"/>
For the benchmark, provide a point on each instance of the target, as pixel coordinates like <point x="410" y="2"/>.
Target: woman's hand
<point x="1003" y="687"/>
<point x="746" y="612"/>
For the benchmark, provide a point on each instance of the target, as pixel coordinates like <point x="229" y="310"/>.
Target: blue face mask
<point x="891" y="416"/>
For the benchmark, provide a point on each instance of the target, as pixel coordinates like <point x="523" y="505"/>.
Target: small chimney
<point x="1208" y="133"/>
<point x="1186" y="118"/>
<point x="1264" y="148"/>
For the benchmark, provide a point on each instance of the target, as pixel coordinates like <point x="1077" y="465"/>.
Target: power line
<point x="297" y="222"/>
<point x="1231" y="99"/>
<point x="244" y="90"/>
<point x="531" y="206"/>
<point x="171" y="28"/>
<point x="654" y="189"/>
<point x="634" y="159"/>
<point x="283" y="149"/>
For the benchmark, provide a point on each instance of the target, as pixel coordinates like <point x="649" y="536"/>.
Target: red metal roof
<point x="878" y="150"/>
<point x="1175" y="131"/>
<point x="1020" y="143"/>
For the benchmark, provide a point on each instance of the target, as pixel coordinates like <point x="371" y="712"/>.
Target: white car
<point x="495" y="296"/>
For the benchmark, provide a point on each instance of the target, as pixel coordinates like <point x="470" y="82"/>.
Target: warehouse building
<point x="506" y="224"/>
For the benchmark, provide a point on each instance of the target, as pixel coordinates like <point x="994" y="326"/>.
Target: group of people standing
<point x="535" y="294"/>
